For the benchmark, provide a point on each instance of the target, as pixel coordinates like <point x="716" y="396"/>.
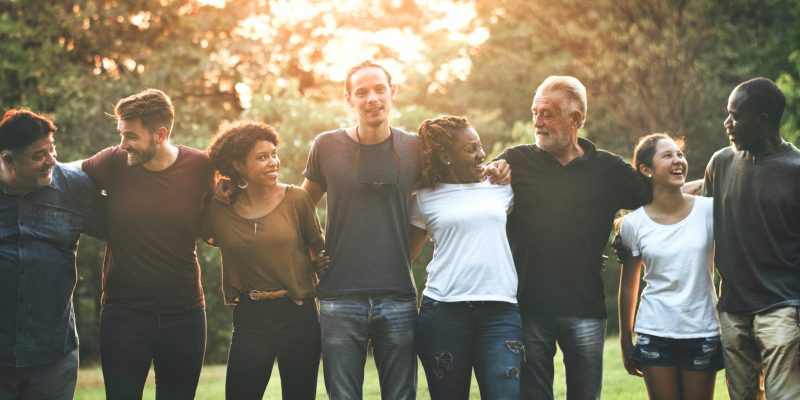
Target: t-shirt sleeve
<point x="632" y="191"/>
<point x="313" y="171"/>
<point x="503" y="156"/>
<point x="207" y="224"/>
<point x="417" y="219"/>
<point x="628" y="235"/>
<point x="509" y="192"/>
<point x="98" y="167"/>
<point x="310" y="227"/>
<point x="708" y="179"/>
<point x="92" y="203"/>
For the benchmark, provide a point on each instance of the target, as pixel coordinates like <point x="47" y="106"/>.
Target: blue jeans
<point x="452" y="338"/>
<point x="269" y="329"/>
<point x="348" y="323"/>
<point x="51" y="381"/>
<point x="580" y="339"/>
<point x="130" y="340"/>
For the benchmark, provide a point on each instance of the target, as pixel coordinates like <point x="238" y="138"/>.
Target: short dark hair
<point x="233" y="143"/>
<point x="437" y="136"/>
<point x="645" y="150"/>
<point x="21" y="127"/>
<point x="151" y="106"/>
<point x="364" y="64"/>
<point x="764" y="96"/>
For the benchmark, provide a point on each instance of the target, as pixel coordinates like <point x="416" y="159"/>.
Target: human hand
<point x="622" y="252"/>
<point x="499" y="172"/>
<point x="630" y="365"/>
<point x="694" y="187"/>
<point x="321" y="263"/>
<point x="224" y="190"/>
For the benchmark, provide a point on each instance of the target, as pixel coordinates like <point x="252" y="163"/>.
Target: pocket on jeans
<point x="428" y="303"/>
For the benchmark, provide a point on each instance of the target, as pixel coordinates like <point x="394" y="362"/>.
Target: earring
<point x="447" y="163"/>
<point x="649" y="176"/>
<point x="243" y="187"/>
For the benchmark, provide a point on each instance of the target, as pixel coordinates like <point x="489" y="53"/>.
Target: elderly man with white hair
<point x="566" y="193"/>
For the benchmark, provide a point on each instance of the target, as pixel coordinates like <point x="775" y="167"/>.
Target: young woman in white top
<point x="469" y="316"/>
<point x="677" y="329"/>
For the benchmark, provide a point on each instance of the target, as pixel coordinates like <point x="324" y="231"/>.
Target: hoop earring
<point x="243" y="187"/>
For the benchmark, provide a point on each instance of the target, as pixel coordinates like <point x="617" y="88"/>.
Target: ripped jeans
<point x="452" y="338"/>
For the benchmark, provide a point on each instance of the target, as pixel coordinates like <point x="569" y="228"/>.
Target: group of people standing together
<point x="516" y="270"/>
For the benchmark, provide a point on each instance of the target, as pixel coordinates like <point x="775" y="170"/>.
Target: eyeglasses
<point x="376" y="177"/>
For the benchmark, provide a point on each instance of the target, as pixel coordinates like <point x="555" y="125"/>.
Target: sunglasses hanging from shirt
<point x="377" y="165"/>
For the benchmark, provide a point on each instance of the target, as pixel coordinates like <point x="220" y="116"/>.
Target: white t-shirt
<point x="471" y="258"/>
<point x="679" y="301"/>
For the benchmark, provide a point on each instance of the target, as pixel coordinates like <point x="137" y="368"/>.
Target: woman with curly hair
<point x="678" y="348"/>
<point x="268" y="236"/>
<point x="469" y="316"/>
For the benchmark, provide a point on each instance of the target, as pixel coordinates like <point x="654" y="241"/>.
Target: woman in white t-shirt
<point x="678" y="347"/>
<point x="469" y="316"/>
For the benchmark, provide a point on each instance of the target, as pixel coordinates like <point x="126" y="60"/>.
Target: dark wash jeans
<point x="580" y="339"/>
<point x="453" y="338"/>
<point x="51" y="381"/>
<point x="131" y="339"/>
<point x="269" y="329"/>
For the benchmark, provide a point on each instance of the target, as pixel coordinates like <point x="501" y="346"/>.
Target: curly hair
<point x="437" y="136"/>
<point x="645" y="150"/>
<point x="233" y="143"/>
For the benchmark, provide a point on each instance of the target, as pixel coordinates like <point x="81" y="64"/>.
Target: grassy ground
<point x="617" y="384"/>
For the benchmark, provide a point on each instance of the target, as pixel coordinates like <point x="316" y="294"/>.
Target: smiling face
<point x="137" y="141"/>
<point x="556" y="131"/>
<point x="465" y="158"/>
<point x="370" y="96"/>
<point x="33" y="166"/>
<point x="668" y="166"/>
<point x="260" y="166"/>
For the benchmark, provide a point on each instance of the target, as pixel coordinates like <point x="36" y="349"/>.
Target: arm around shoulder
<point x="314" y="190"/>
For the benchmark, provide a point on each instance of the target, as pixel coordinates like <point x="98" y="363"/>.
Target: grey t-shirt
<point x="756" y="228"/>
<point x="366" y="233"/>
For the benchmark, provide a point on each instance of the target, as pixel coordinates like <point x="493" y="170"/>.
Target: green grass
<point x="617" y="384"/>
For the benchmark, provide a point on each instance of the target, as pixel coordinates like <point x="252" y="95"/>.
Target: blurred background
<point x="648" y="65"/>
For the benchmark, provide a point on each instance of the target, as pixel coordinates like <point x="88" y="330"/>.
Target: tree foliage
<point x="649" y="65"/>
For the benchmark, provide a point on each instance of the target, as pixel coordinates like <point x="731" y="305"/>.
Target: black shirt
<point x="561" y="223"/>
<point x="756" y="228"/>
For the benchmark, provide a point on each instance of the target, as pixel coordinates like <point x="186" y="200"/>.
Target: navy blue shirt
<point x="39" y="233"/>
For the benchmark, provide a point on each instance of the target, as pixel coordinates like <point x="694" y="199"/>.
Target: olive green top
<point x="266" y="253"/>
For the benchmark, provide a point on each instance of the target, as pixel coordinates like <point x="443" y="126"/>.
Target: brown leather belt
<point x="258" y="295"/>
<point x="267" y="295"/>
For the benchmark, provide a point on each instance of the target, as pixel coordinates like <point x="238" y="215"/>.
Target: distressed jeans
<point x="348" y="323"/>
<point x="580" y="339"/>
<point x="767" y="343"/>
<point x="455" y="337"/>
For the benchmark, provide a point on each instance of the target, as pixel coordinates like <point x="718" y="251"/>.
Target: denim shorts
<point x="701" y="354"/>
